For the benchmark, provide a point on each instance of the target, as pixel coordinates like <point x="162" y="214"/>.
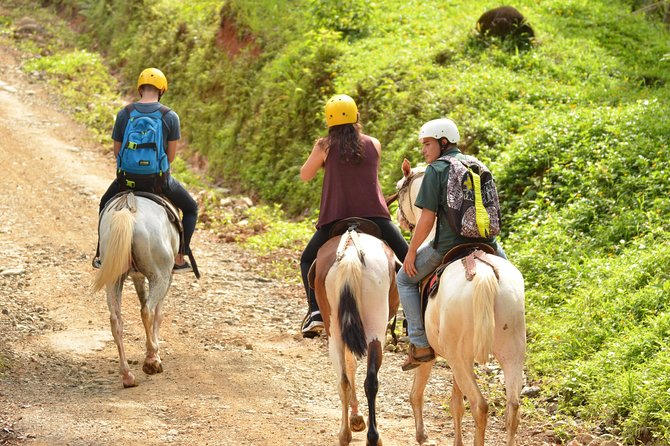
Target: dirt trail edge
<point x="237" y="372"/>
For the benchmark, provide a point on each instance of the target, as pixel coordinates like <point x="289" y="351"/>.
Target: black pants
<point x="179" y="196"/>
<point x="390" y="233"/>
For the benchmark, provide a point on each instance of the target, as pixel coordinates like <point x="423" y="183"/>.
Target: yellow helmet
<point x="153" y="76"/>
<point x="341" y="109"/>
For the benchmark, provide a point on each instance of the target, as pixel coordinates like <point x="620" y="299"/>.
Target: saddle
<point x="361" y="225"/>
<point x="122" y="199"/>
<point x="467" y="253"/>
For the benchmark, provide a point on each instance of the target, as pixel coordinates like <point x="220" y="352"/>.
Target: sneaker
<point x="183" y="268"/>
<point x="312" y="325"/>
<point x="96" y="263"/>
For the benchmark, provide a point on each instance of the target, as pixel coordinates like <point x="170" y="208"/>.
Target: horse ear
<point x="406" y="167"/>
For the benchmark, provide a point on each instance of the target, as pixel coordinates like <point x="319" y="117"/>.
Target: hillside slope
<point x="574" y="128"/>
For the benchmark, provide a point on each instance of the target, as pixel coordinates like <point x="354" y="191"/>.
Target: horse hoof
<point x="379" y="443"/>
<point x="151" y="368"/>
<point x="345" y="438"/>
<point x="129" y="381"/>
<point x="357" y="423"/>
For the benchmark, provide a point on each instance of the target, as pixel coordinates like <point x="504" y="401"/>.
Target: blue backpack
<point x="142" y="162"/>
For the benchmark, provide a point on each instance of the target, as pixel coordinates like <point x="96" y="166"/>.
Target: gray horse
<point x="136" y="239"/>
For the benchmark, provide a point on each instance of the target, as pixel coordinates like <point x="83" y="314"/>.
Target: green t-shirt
<point x="432" y="196"/>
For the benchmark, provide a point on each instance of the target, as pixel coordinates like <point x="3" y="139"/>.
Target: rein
<point x="404" y="189"/>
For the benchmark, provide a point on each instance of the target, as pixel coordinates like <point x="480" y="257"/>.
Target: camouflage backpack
<point x="472" y="207"/>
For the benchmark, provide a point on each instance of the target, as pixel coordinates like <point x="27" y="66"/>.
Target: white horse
<point x="136" y="239"/>
<point x="465" y="322"/>
<point x="356" y="292"/>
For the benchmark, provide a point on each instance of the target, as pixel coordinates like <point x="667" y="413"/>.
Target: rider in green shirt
<point x="438" y="138"/>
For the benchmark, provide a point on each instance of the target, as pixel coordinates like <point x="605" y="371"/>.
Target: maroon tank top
<point x="352" y="190"/>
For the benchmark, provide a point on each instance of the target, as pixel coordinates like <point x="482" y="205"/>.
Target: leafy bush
<point x="85" y="86"/>
<point x="350" y="17"/>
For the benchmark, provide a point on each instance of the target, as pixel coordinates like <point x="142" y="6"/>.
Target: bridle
<point x="404" y="189"/>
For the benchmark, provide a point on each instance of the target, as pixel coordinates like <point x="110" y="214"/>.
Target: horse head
<point x="408" y="188"/>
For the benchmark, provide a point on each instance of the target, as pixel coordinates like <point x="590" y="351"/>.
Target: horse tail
<point x="118" y="255"/>
<point x="485" y="291"/>
<point x="349" y="285"/>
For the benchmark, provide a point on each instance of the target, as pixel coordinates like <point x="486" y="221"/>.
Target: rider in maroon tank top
<point x="350" y="189"/>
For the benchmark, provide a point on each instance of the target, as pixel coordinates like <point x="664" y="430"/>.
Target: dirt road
<point x="237" y="372"/>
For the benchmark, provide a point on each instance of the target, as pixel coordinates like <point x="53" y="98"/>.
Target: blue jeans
<point x="427" y="259"/>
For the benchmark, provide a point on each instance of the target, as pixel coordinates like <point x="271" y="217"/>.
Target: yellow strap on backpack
<point x="481" y="216"/>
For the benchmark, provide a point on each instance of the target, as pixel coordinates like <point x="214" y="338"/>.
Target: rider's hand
<point x="408" y="264"/>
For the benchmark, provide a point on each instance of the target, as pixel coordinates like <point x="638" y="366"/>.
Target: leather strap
<point x="471" y="267"/>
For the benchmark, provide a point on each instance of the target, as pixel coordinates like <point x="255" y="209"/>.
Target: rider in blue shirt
<point x="151" y="85"/>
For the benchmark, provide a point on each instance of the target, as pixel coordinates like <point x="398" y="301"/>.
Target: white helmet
<point x="440" y="128"/>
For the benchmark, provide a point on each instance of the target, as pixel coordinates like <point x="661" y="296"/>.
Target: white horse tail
<point x="118" y="256"/>
<point x="349" y="286"/>
<point x="483" y="301"/>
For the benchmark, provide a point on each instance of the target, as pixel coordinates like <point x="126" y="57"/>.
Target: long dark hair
<point x="346" y="140"/>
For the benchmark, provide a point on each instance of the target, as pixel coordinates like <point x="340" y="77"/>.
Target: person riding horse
<point x="438" y="138"/>
<point x="473" y="308"/>
<point x="151" y="85"/>
<point x="350" y="189"/>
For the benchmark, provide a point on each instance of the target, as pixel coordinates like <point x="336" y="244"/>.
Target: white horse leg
<point x="150" y="310"/>
<point x="337" y="355"/>
<point x="116" y="321"/>
<point x="158" y="312"/>
<point x="513" y="382"/>
<point x="510" y="351"/>
<point x="356" y="421"/>
<point x="344" y="389"/>
<point x="464" y="378"/>
<point x="371" y="389"/>
<point x="421" y="376"/>
<point x="512" y="366"/>
<point x="457" y="409"/>
<point x="140" y="289"/>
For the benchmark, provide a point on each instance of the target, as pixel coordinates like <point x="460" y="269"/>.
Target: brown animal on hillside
<point x="503" y="22"/>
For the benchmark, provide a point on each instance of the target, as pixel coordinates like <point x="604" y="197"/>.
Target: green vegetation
<point x="77" y="75"/>
<point x="575" y="129"/>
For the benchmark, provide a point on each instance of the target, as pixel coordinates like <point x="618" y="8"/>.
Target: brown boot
<point x="416" y="356"/>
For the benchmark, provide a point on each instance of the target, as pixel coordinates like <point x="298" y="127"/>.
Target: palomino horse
<point x="356" y="292"/>
<point x="136" y="239"/>
<point x="465" y="321"/>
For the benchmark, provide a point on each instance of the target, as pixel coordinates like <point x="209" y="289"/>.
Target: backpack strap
<point x="450" y="160"/>
<point x="164" y="110"/>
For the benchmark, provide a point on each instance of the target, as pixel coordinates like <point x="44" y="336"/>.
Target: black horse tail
<point x="349" y="284"/>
